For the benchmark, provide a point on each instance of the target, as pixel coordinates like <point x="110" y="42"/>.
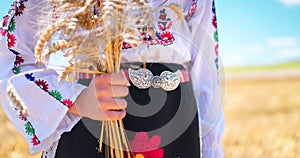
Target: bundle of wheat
<point x="90" y="34"/>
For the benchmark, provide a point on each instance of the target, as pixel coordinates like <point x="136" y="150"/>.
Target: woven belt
<point x="167" y="80"/>
<point x="143" y="78"/>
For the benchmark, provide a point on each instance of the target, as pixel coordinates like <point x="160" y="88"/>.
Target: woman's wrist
<point x="73" y="109"/>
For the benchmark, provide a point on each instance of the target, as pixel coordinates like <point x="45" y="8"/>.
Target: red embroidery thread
<point x="146" y="147"/>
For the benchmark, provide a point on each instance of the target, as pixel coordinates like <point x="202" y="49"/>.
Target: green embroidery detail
<point x="56" y="94"/>
<point x="12" y="25"/>
<point x="28" y="129"/>
<point x="216" y="37"/>
<point x="16" y="70"/>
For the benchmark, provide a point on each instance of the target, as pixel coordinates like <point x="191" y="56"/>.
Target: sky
<point x="258" y="32"/>
<point x="253" y="32"/>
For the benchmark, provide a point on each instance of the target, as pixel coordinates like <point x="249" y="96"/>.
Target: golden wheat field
<point x="262" y="118"/>
<point x="262" y="121"/>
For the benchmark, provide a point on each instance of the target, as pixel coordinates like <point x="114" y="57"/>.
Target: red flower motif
<point x="13" y="6"/>
<point x="217" y="49"/>
<point x="214" y="21"/>
<point x="11" y="40"/>
<point x="169" y="25"/>
<point x="148" y="148"/>
<point x="3" y="32"/>
<point x="42" y="84"/>
<point x="19" y="60"/>
<point x="67" y="102"/>
<point x="5" y="20"/>
<point x="193" y="8"/>
<point x="20" y="9"/>
<point x="161" y="27"/>
<point x="166" y="36"/>
<point x="22" y="117"/>
<point x="35" y="141"/>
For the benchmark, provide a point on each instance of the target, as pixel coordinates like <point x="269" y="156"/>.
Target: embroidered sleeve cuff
<point x="47" y="115"/>
<point x="68" y="122"/>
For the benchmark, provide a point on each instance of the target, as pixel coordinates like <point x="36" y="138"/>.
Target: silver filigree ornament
<point x="143" y="79"/>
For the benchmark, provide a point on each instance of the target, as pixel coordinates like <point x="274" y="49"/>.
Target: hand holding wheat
<point x="102" y="100"/>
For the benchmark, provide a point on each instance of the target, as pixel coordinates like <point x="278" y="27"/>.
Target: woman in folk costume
<point x="176" y="115"/>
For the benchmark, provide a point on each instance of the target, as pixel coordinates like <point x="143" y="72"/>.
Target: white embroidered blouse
<point x="191" y="41"/>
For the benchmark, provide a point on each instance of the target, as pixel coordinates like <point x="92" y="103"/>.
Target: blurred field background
<point x="262" y="110"/>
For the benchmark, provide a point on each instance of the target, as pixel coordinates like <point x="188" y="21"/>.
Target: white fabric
<point x="48" y="116"/>
<point x="193" y="47"/>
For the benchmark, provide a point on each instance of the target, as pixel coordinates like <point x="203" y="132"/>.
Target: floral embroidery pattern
<point x="30" y="77"/>
<point x="20" y="9"/>
<point x="214" y="21"/>
<point x="215" y="35"/>
<point x="192" y="10"/>
<point x="35" y="141"/>
<point x="29" y="130"/>
<point x="8" y="26"/>
<point x="163" y="34"/>
<point x="11" y="39"/>
<point x="22" y="117"/>
<point x="54" y="93"/>
<point x="42" y="84"/>
<point x="67" y="102"/>
<point x="18" y="61"/>
<point x="12" y="26"/>
<point x="7" y="29"/>
<point x="217" y="49"/>
<point x="145" y="147"/>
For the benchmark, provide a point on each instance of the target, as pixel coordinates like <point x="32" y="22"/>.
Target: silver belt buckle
<point x="143" y="79"/>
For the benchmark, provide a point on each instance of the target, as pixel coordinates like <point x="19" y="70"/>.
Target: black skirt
<point x="158" y="123"/>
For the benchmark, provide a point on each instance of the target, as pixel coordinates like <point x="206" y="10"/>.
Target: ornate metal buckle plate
<point x="143" y="79"/>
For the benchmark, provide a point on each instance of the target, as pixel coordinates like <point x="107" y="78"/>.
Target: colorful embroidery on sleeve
<point x="56" y="94"/>
<point x="216" y="37"/>
<point x="17" y="9"/>
<point x="11" y="39"/>
<point x="29" y="130"/>
<point x="6" y="30"/>
<point x="192" y="10"/>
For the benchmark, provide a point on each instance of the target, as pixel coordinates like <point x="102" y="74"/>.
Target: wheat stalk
<point x="93" y="40"/>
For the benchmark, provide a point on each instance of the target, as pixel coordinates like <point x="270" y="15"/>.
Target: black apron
<point x="165" y="122"/>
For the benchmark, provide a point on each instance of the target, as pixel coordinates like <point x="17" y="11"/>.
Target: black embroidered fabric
<point x="175" y="121"/>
